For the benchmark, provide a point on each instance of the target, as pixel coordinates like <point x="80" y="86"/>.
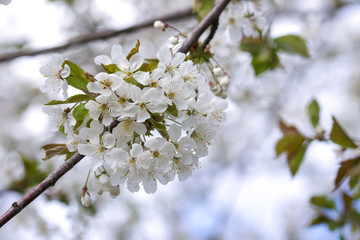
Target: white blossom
<point x="59" y="118"/>
<point x="99" y="110"/>
<point x="169" y="62"/>
<point x="106" y="84"/>
<point x="116" y="55"/>
<point x="55" y="74"/>
<point x="176" y="90"/>
<point x="146" y="101"/>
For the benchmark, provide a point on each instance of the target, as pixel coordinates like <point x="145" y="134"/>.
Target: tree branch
<point x="203" y="25"/>
<point x="16" y="207"/>
<point x="98" y="36"/>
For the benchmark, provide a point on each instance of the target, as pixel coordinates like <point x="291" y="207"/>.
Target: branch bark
<point x="70" y="163"/>
<point x="203" y="25"/>
<point x="97" y="36"/>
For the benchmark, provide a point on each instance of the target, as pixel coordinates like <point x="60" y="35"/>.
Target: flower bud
<point x="104" y="179"/>
<point x="218" y="71"/>
<point x="174" y="40"/>
<point x="225" y="81"/>
<point x="216" y="90"/>
<point x="160" y="25"/>
<point x="85" y="199"/>
<point x="114" y="191"/>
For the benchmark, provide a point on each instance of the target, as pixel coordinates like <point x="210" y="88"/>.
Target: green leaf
<point x="319" y="220"/>
<point x="202" y="7"/>
<point x="314" y="112"/>
<point x="78" y="78"/>
<point x="134" y="50"/>
<point x="289" y="143"/>
<point x="172" y="110"/>
<point x="73" y="99"/>
<point x="149" y="65"/>
<point x="292" y="44"/>
<point x="80" y="113"/>
<point x="264" y="56"/>
<point x="264" y="60"/>
<point x="111" y="68"/>
<point x="54" y="149"/>
<point x="295" y="160"/>
<point x="339" y="136"/>
<point x="322" y="202"/>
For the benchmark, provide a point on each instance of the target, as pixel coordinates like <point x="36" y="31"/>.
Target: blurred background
<point x="242" y="190"/>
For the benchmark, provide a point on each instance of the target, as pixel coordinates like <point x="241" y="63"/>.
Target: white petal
<point x="142" y="115"/>
<point x="139" y="128"/>
<point x="87" y="149"/>
<point x="174" y="132"/>
<point x="65" y="72"/>
<point x="102" y="59"/>
<point x="119" y="156"/>
<point x="157" y="107"/>
<point x="136" y="150"/>
<point x="108" y="140"/>
<point x="150" y="184"/>
<point x="133" y="187"/>
<point x="164" y="55"/>
<point x="94" y="87"/>
<point x="135" y="62"/>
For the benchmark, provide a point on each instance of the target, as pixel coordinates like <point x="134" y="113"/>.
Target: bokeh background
<point x="242" y="191"/>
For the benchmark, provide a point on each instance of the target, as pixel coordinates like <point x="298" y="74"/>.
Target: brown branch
<point x="98" y="36"/>
<point x="16" y="207"/>
<point x="203" y="25"/>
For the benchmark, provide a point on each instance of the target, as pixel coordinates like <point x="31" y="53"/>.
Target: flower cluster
<point x="143" y="121"/>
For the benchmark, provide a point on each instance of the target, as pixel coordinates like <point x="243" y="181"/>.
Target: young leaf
<point x="134" y="50"/>
<point x="289" y="143"/>
<point x="149" y="65"/>
<point x="72" y="99"/>
<point x="172" y="110"/>
<point x="80" y="113"/>
<point x="349" y="167"/>
<point x="292" y="44"/>
<point x="295" y="160"/>
<point x="264" y="60"/>
<point x="53" y="149"/>
<point x="111" y="68"/>
<point x="322" y="202"/>
<point x="339" y="136"/>
<point x="314" y="112"/>
<point x="78" y="78"/>
<point x="202" y="7"/>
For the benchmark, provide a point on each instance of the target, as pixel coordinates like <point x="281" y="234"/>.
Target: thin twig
<point x="70" y="163"/>
<point x="214" y="27"/>
<point x="16" y="207"/>
<point x="97" y="36"/>
<point x="203" y="25"/>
